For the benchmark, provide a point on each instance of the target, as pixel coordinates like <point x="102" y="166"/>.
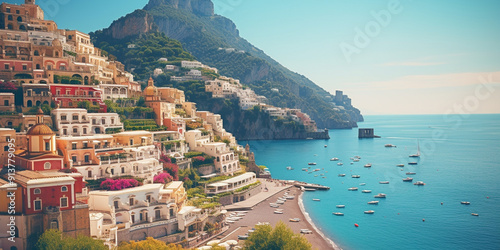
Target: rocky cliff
<point x="197" y="7"/>
<point x="135" y="23"/>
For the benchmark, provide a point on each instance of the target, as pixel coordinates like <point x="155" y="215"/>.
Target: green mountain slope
<point x="202" y="33"/>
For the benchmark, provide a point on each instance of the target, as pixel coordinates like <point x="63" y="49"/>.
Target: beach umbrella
<point x="225" y="245"/>
<point x="213" y="242"/>
<point x="231" y="242"/>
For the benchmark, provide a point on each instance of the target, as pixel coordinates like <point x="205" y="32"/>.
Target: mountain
<point x="203" y="34"/>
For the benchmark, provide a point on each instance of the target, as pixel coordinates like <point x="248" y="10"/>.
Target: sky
<point x="389" y="56"/>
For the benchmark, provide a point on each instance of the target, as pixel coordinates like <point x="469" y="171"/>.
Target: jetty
<point x="310" y="186"/>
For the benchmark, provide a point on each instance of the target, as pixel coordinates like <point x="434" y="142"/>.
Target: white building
<point x="77" y="122"/>
<point x="114" y="91"/>
<point x="232" y="184"/>
<point x="157" y="72"/>
<point x="191" y="64"/>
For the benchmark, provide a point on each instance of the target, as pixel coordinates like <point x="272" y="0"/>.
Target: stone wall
<point x="233" y="198"/>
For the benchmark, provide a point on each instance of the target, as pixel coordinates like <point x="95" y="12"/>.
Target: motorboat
<point x="400" y="165"/>
<point x="316" y="199"/>
<point x="357" y="157"/>
<point x="369" y="165"/>
<point x="418" y="151"/>
<point x="366" y="191"/>
<point x="316" y="170"/>
<point x="278" y="212"/>
<point x="341" y="175"/>
<point x="326" y="146"/>
<point x="294" y="220"/>
<point x="389" y="146"/>
<point x="340" y="163"/>
<point x="362" y="184"/>
<point x="474" y="214"/>
<point x="465" y="202"/>
<point x="380" y="195"/>
<point x="309" y="189"/>
<point x="311" y="163"/>
<point x="412" y="163"/>
<point x="355" y="176"/>
<point x="304" y="169"/>
<point x="334" y="159"/>
<point x="373" y="202"/>
<point x="383" y="182"/>
<point x="340" y="206"/>
<point x="369" y="212"/>
<point x="338" y="214"/>
<point x="355" y="160"/>
<point x="419" y="183"/>
<point x="353" y="189"/>
<point x="408" y="179"/>
<point x="411" y="173"/>
<point x="289" y="168"/>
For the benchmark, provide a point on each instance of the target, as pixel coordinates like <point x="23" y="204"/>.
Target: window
<point x="132" y="217"/>
<point x="131" y="141"/>
<point x="73" y="146"/>
<point x="112" y="171"/>
<point x="85" y="144"/>
<point x="63" y="118"/>
<point x="157" y="214"/>
<point x="9" y="18"/>
<point x="54" y="224"/>
<point x="89" y="175"/>
<point x="17" y="12"/>
<point x="84" y="131"/>
<point x="103" y="121"/>
<point x="75" y="130"/>
<point x="73" y="158"/>
<point x="37" y="205"/>
<point x="70" y="104"/>
<point x="47" y="165"/>
<point x="87" y="158"/>
<point x="6" y="102"/>
<point x="123" y="170"/>
<point x="64" y="189"/>
<point x="37" y="191"/>
<point x="8" y="9"/>
<point x="65" y="131"/>
<point x="148" y="198"/>
<point x="64" y="202"/>
<point x="75" y="118"/>
<point x="6" y="66"/>
<point x="131" y="201"/>
<point x="25" y="67"/>
<point x="112" y="121"/>
<point x="47" y="146"/>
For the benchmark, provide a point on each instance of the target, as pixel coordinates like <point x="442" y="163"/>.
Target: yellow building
<point x="7" y="136"/>
<point x="134" y="138"/>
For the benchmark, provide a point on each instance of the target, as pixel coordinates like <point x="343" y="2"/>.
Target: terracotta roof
<point x="23" y="177"/>
<point x="40" y="129"/>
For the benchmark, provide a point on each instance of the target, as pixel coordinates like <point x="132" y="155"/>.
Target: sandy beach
<point x="262" y="212"/>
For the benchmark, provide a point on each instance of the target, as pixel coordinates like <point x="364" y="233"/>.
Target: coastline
<point x="316" y="229"/>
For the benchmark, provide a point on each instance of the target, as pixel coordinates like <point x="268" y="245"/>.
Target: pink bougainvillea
<point x="172" y="169"/>
<point x="199" y="158"/>
<point x="112" y="185"/>
<point x="163" y="178"/>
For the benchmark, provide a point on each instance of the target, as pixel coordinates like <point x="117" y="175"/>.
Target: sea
<point x="459" y="161"/>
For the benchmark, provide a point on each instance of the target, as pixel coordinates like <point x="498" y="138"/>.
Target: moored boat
<point x="408" y="179"/>
<point x="338" y="214"/>
<point x="316" y="199"/>
<point x="412" y="163"/>
<point x="373" y="202"/>
<point x="369" y="212"/>
<point x="340" y="163"/>
<point x="353" y="189"/>
<point x="400" y="165"/>
<point x="419" y="183"/>
<point x="465" y="202"/>
<point x="380" y="195"/>
<point x="389" y="146"/>
<point x="334" y="159"/>
<point x="366" y="191"/>
<point x="340" y="206"/>
<point x="341" y="175"/>
<point x="355" y="176"/>
<point x="383" y="182"/>
<point x="474" y="214"/>
<point x="411" y="173"/>
<point x="369" y="165"/>
<point x="311" y="163"/>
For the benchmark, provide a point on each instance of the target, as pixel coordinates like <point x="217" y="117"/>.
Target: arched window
<point x="64" y="189"/>
<point x="9" y="17"/>
<point x="29" y="103"/>
<point x="9" y="124"/>
<point x="22" y="27"/>
<point x="10" y="27"/>
<point x="37" y="191"/>
<point x="19" y="19"/>
<point x="38" y="66"/>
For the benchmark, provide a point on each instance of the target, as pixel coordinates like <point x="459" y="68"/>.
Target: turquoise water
<point x="460" y="161"/>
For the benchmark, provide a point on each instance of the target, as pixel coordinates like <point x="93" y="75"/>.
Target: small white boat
<point x="380" y="195"/>
<point x="389" y="146"/>
<point x="311" y="163"/>
<point x="400" y="165"/>
<point x="341" y="175"/>
<point x="362" y="184"/>
<point x="369" y="165"/>
<point x="373" y="202"/>
<point x="383" y="182"/>
<point x="474" y="214"/>
<point x="289" y="168"/>
<point x="419" y="183"/>
<point x="465" y="202"/>
<point x="369" y="212"/>
<point x="316" y="200"/>
<point x="309" y="189"/>
<point x="353" y="189"/>
<point x="418" y="151"/>
<point x="366" y="191"/>
<point x="338" y="214"/>
<point x="355" y="160"/>
<point x="278" y="212"/>
<point x="408" y="179"/>
<point x="355" y="176"/>
<point x="334" y="159"/>
<point x="340" y="163"/>
<point x="411" y="173"/>
<point x="340" y="206"/>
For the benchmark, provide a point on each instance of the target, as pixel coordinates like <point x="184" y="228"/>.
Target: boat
<point x="411" y="173"/>
<point x="334" y="159"/>
<point x="278" y="212"/>
<point x="418" y="151"/>
<point x="294" y="220"/>
<point x="353" y="189"/>
<point x="366" y="191"/>
<point x="474" y="214"/>
<point x="309" y="189"/>
<point x="338" y="214"/>
<point x="357" y="157"/>
<point x="419" y="183"/>
<point x="412" y="163"/>
<point x="355" y="176"/>
<point x="408" y="179"/>
<point x="289" y="168"/>
<point x="369" y="212"/>
<point x="340" y="206"/>
<point x="362" y="184"/>
<point x="400" y="165"/>
<point x="317" y="170"/>
<point x="316" y="199"/>
<point x="383" y="182"/>
<point x="380" y="195"/>
<point x="315" y="175"/>
<point x="340" y="163"/>
<point x="373" y="202"/>
<point x="369" y="165"/>
<point x="389" y="146"/>
<point x="355" y="160"/>
<point x="326" y="146"/>
<point x="341" y="175"/>
<point x="311" y="163"/>
<point x="465" y="202"/>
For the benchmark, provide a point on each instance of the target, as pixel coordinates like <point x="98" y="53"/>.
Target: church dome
<point x="40" y="129"/>
<point x="150" y="90"/>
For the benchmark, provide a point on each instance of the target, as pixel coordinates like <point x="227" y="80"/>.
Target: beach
<point x="259" y="210"/>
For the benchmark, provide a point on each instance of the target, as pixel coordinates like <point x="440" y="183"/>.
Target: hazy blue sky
<point x="426" y="57"/>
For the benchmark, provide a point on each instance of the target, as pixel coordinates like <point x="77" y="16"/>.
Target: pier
<point x="310" y="186"/>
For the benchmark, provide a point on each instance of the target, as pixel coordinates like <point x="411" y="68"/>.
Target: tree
<point x="281" y="237"/>
<point x="54" y="240"/>
<point x="147" y="244"/>
<point x="84" y="105"/>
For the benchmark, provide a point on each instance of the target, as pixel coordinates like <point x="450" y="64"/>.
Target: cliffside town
<point x="88" y="151"/>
